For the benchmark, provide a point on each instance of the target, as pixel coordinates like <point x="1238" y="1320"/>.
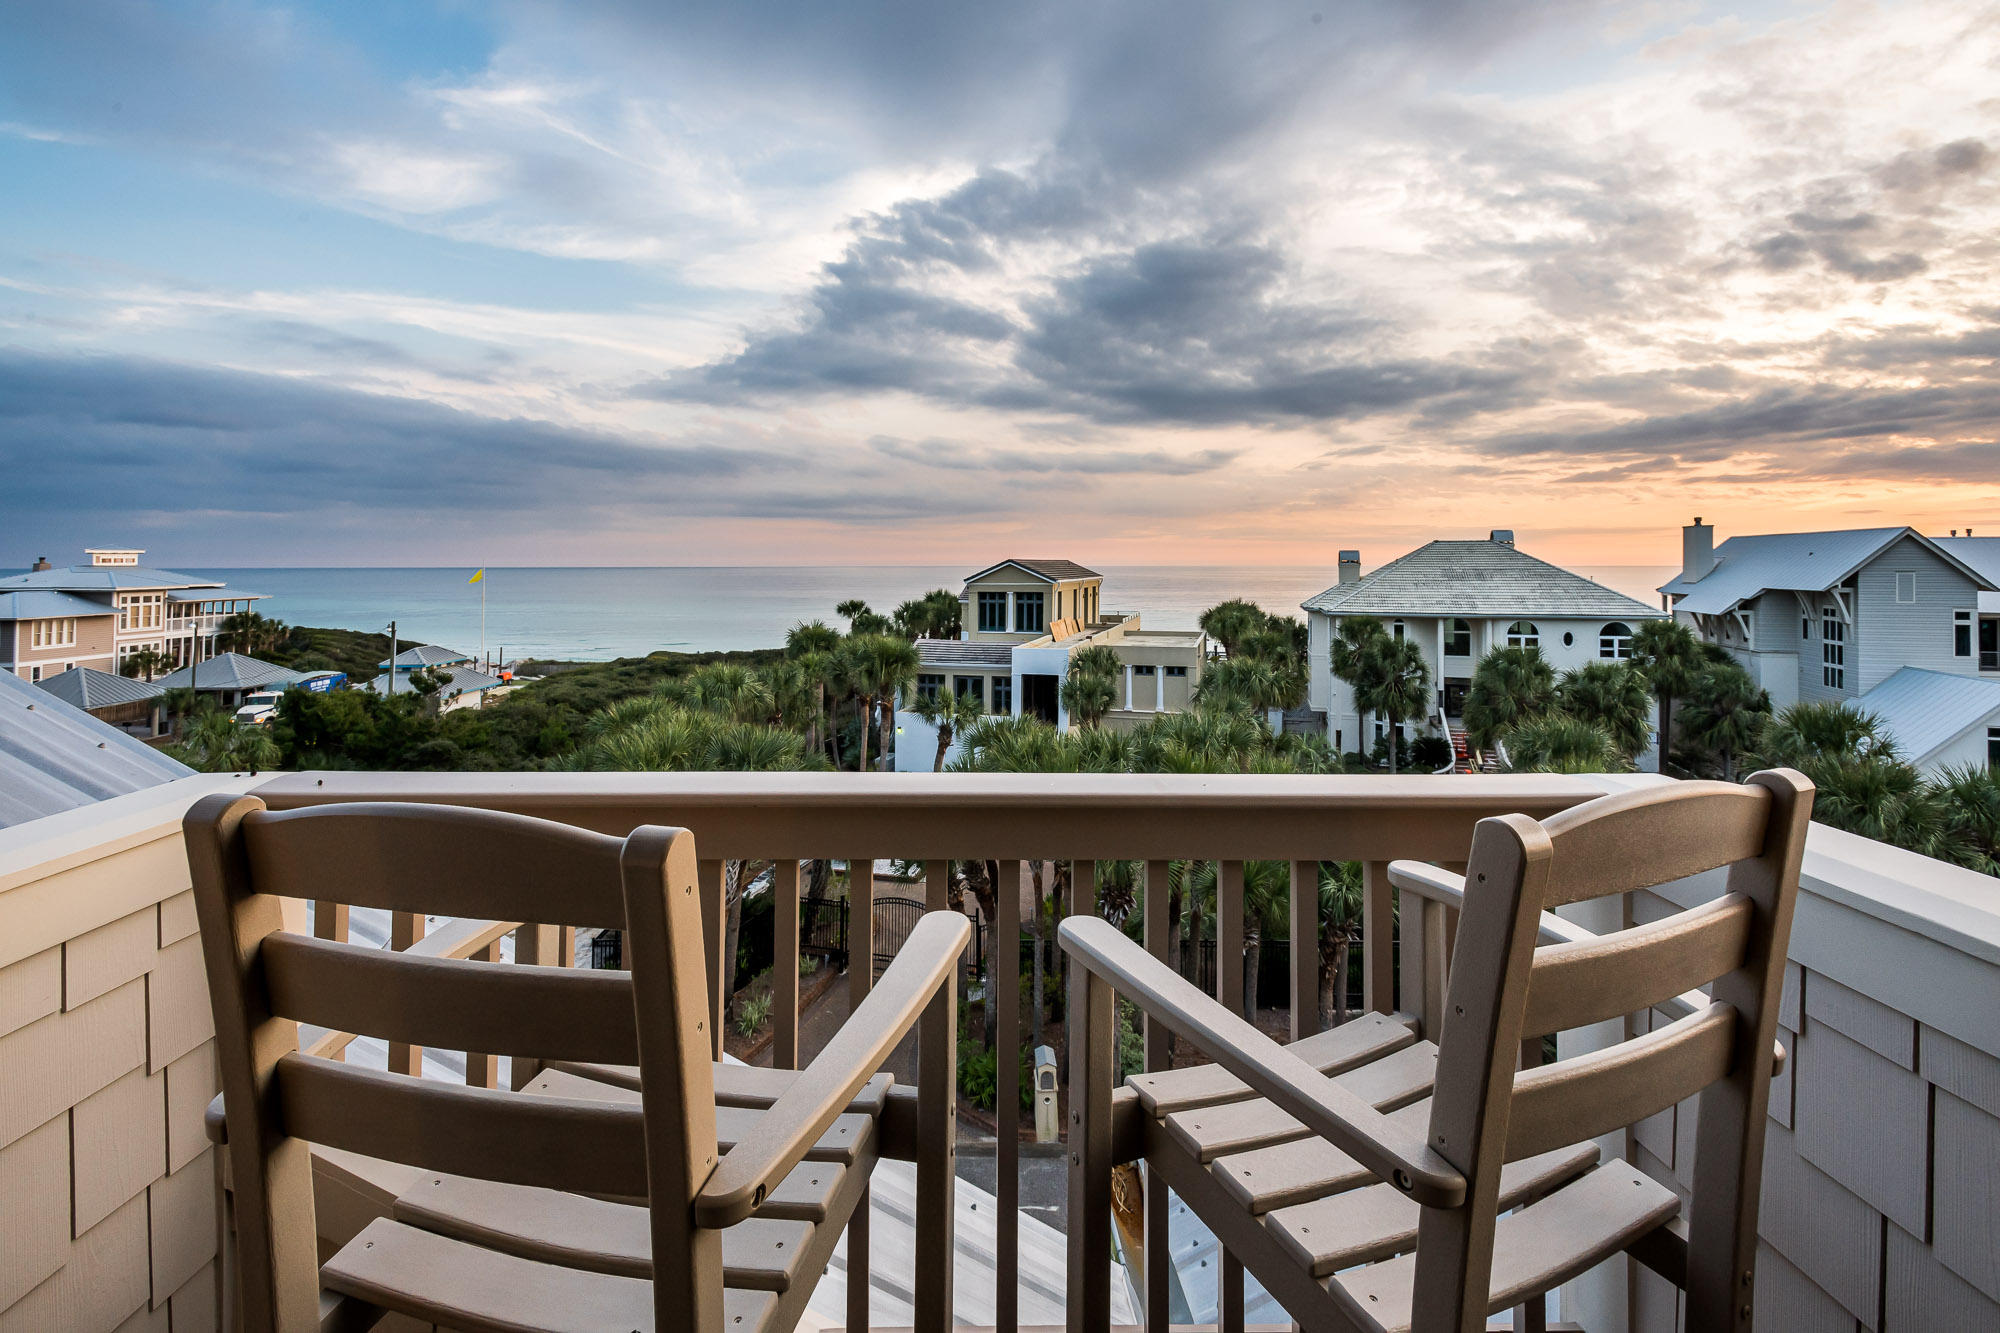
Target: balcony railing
<point x="1873" y="1210"/>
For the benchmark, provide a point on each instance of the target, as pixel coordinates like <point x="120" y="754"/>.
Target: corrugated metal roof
<point x="230" y="671"/>
<point x="962" y="652"/>
<point x="1922" y="710"/>
<point x="425" y="655"/>
<point x="87" y="687"/>
<point x="464" y="680"/>
<point x="42" y="603"/>
<point x="54" y="757"/>
<point x="1476" y="578"/>
<point x="1053" y="570"/>
<point x="1746" y="567"/>
<point x="105" y="578"/>
<point x="1981" y="554"/>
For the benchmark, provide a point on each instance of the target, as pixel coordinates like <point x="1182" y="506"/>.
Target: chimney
<point x="41" y="563"/>
<point x="1501" y="536"/>
<point x="1697" y="551"/>
<point x="1350" y="566"/>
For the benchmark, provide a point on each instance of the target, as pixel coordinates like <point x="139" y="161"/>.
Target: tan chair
<point x="516" y="1221"/>
<point x="1358" y="1201"/>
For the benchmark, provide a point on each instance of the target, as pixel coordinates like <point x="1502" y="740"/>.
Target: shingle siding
<point x="1919" y="633"/>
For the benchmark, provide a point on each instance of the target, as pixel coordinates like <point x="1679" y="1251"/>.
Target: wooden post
<point x="715" y="926"/>
<point x="1004" y="968"/>
<point x="785" y="964"/>
<point x="1305" y="949"/>
<point x="860" y="979"/>
<point x="1159" y="1055"/>
<point x="405" y="929"/>
<point x="1092" y="1053"/>
<point x="1378" y="922"/>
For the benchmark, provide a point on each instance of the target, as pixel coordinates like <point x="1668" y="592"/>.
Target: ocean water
<point x="600" y="613"/>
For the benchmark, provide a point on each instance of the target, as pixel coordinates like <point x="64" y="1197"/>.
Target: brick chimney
<point x="1501" y="536"/>
<point x="1350" y="566"/>
<point x="1697" y="550"/>
<point x="42" y="563"/>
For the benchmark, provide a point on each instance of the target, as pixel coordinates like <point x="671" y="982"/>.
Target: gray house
<point x="1831" y="615"/>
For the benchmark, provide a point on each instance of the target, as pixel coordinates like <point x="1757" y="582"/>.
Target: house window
<point x="1993" y="747"/>
<point x="1028" y="613"/>
<point x="1397" y="629"/>
<point x="1805" y="627"/>
<point x="1523" y="634"/>
<point x="1906" y="586"/>
<point x="971" y="687"/>
<point x="1961" y="634"/>
<point x="1003" y="694"/>
<point x="34" y="674"/>
<point x="1833" y="651"/>
<point x="1569" y="639"/>
<point x="928" y="686"/>
<point x="1142" y="671"/>
<point x="1175" y="671"/>
<point x="1459" y="642"/>
<point x="993" y="612"/>
<point x="1615" y="640"/>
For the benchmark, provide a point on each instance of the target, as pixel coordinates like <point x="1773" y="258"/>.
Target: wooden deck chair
<point x="516" y="1220"/>
<point x="1360" y="1202"/>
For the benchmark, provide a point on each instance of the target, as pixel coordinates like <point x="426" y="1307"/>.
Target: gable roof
<point x="43" y="603"/>
<point x="464" y="680"/>
<point x="87" y="688"/>
<point x="1980" y="554"/>
<point x="107" y="578"/>
<point x="1922" y="710"/>
<point x="1054" y="571"/>
<point x="54" y="757"/>
<point x="230" y="671"/>
<point x="426" y="655"/>
<point x="1476" y="579"/>
<point x="1747" y="567"/>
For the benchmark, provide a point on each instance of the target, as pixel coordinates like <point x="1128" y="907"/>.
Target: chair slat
<point x="1283" y="1174"/>
<point x="1580" y="1098"/>
<point x="1655" y="835"/>
<point x="452" y="1004"/>
<point x="850" y="1137"/>
<point x="735" y="1085"/>
<point x="1335" y="1051"/>
<point x="446" y="862"/>
<point x="1388" y="1084"/>
<point x="593" y="1147"/>
<point x="1613" y="975"/>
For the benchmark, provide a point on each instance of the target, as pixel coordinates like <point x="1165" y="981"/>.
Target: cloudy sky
<point x="435" y="281"/>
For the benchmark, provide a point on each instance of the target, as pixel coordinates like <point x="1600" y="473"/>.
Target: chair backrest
<point x="264" y="982"/>
<point x="1486" y="1111"/>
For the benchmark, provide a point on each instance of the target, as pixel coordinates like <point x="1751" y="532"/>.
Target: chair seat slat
<point x="1609" y="976"/>
<point x="850" y="1135"/>
<point x="450" y="1003"/>
<point x="735" y="1085"/>
<point x="1388" y="1084"/>
<point x="1335" y="1051"/>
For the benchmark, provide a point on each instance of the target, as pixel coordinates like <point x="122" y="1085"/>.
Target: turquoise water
<point x="617" y="612"/>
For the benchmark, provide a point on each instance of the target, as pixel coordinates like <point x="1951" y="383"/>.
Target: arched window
<point x="1615" y="640"/>
<point x="1459" y="642"/>
<point x="1523" y="634"/>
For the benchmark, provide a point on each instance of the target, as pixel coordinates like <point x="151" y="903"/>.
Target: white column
<point x="1130" y="702"/>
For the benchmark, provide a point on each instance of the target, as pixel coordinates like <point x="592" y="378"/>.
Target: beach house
<point x="1459" y="600"/>
<point x="1022" y="620"/>
<point x="99" y="613"/>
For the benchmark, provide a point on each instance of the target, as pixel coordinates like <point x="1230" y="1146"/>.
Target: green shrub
<point x="751" y="1013"/>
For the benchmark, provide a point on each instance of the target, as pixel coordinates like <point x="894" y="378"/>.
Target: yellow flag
<point x="476" y="577"/>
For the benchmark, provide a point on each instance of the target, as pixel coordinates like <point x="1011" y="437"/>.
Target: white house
<point x="1833" y="615"/>
<point x="1459" y="600"/>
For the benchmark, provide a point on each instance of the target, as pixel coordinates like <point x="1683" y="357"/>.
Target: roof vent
<point x="1502" y="536"/>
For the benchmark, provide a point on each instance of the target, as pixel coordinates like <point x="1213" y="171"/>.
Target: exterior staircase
<point x="1465" y="758"/>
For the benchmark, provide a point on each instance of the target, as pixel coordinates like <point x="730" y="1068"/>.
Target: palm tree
<point x="880" y="666"/>
<point x="1808" y="733"/>
<point x="1267" y="893"/>
<point x="1667" y="653"/>
<point x="1558" y="743"/>
<point x="1090" y="687"/>
<point x="1340" y="903"/>
<point x="1394" y="681"/>
<point x="852" y="609"/>
<point x="1725" y="713"/>
<point x="1973" y="794"/>
<point x="217" y="743"/>
<point x="1354" y="638"/>
<point x="951" y="714"/>
<point x="1228" y="622"/>
<point x="249" y="633"/>
<point x="1509" y="686"/>
<point x="1611" y="696"/>
<point x="146" y="663"/>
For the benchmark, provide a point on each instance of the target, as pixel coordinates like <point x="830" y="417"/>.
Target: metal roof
<point x="54" y="757"/>
<point x="217" y="593"/>
<point x="1747" y="567"/>
<point x="1981" y="554"/>
<point x="87" y="687"/>
<point x="464" y="680"/>
<point x="44" y="603"/>
<point x="964" y="652"/>
<point x="230" y="671"/>
<point x="1923" y="710"/>
<point x="1055" y="571"/>
<point x="425" y="655"/>
<point x="106" y="578"/>
<point x="1476" y="579"/>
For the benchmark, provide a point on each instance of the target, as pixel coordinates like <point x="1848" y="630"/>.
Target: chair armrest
<point x="1427" y="881"/>
<point x="1392" y="1151"/>
<point x="804" y="1111"/>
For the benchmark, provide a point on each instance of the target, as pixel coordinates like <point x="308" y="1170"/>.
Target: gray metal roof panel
<point x="1476" y="578"/>
<point x="87" y="687"/>
<point x="963" y="652"/>
<point x="1923" y="709"/>
<point x="426" y="655"/>
<point x="43" y="603"/>
<point x="105" y="578"/>
<point x="231" y="671"/>
<point x="1746" y="567"/>
<point x="1981" y="554"/>
<point x="464" y="680"/>
<point x="54" y="757"/>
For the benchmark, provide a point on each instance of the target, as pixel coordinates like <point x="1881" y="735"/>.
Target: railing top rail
<point x="997" y="815"/>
